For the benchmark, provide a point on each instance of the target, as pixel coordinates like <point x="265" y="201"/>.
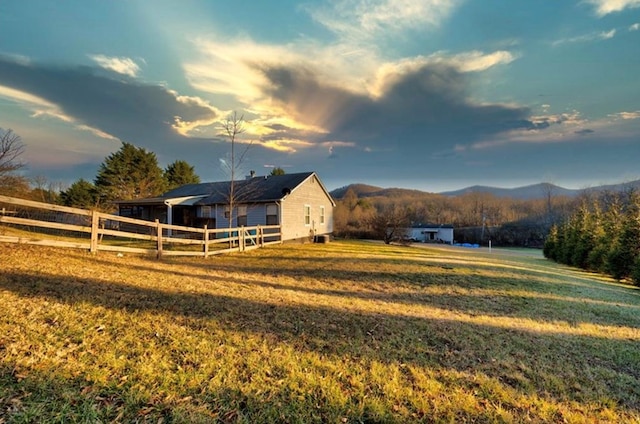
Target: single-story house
<point x="431" y="233"/>
<point x="299" y="203"/>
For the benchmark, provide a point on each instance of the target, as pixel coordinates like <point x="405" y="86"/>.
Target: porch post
<point x="169" y="216"/>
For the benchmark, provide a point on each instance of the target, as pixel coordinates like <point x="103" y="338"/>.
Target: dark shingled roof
<point x="257" y="189"/>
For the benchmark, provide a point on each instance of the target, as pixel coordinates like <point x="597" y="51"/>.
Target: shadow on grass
<point x="546" y="363"/>
<point x="43" y="397"/>
<point x="519" y="296"/>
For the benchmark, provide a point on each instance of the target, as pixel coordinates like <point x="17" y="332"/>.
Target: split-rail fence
<point x="30" y="222"/>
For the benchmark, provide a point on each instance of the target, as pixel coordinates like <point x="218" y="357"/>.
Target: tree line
<point x="129" y="173"/>
<point x="602" y="235"/>
<point x="476" y="217"/>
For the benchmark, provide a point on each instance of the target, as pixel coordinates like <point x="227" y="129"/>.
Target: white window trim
<point x="321" y="215"/>
<point x="307" y="208"/>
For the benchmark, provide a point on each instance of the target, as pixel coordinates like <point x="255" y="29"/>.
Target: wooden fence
<point x="61" y="226"/>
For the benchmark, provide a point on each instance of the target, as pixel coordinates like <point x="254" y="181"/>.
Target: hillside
<point x="535" y="191"/>
<point x="339" y="332"/>
<point x="529" y="192"/>
<point x="363" y="190"/>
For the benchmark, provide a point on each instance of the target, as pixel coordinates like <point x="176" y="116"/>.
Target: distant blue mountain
<point x="530" y="192"/>
<point x="535" y="191"/>
<point x="542" y="190"/>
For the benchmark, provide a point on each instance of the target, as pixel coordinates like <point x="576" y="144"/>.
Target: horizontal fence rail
<point x="29" y="222"/>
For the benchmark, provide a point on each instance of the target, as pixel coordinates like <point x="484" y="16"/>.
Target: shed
<point x="431" y="233"/>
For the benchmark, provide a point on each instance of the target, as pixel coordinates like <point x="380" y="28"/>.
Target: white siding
<point x="312" y="194"/>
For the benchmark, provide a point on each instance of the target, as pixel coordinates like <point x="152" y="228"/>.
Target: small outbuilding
<point x="431" y="233"/>
<point x="299" y="203"/>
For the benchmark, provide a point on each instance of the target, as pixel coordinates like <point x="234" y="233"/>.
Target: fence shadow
<point x="390" y="338"/>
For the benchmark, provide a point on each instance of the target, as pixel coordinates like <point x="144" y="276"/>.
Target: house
<point x="431" y="233"/>
<point x="299" y="203"/>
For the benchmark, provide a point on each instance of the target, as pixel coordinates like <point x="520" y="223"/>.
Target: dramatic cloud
<point x="604" y="7"/>
<point x="126" y="110"/>
<point x="347" y="98"/>
<point x="121" y="65"/>
<point x="419" y="110"/>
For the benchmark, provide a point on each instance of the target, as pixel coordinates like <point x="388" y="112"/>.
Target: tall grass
<point x="339" y="332"/>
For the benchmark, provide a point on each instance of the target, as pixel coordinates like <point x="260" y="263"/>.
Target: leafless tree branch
<point x="11" y="148"/>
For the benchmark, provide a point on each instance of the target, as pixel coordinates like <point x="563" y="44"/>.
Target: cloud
<point x="567" y="128"/>
<point x="308" y="96"/>
<point x="634" y="27"/>
<point x="350" y="104"/>
<point x="121" y="65"/>
<point x="627" y="115"/>
<point x="605" y="7"/>
<point x="418" y="110"/>
<point x="603" y="35"/>
<point x="474" y="61"/>
<point x="363" y="20"/>
<point x="584" y="131"/>
<point x="121" y="109"/>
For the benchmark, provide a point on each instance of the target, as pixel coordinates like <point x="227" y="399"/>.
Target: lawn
<point x="344" y="332"/>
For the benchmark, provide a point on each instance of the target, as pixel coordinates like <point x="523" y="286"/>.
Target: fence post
<point x="259" y="237"/>
<point x="205" y="249"/>
<point x="95" y="223"/>
<point x="159" y="239"/>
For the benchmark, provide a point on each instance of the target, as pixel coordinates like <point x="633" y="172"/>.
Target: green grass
<point x="339" y="332"/>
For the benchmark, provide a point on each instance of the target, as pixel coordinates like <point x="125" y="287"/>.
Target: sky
<point x="433" y="95"/>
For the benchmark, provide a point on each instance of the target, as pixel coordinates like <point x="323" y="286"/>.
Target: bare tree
<point x="234" y="127"/>
<point x="390" y="223"/>
<point x="45" y="190"/>
<point x="11" y="148"/>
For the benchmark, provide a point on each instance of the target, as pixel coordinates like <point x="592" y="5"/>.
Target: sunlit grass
<point x="339" y="332"/>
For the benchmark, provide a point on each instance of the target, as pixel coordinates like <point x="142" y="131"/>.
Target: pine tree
<point x="626" y="250"/>
<point x="584" y="240"/>
<point x="600" y="243"/>
<point x="130" y="173"/>
<point x="180" y="173"/>
<point x="550" y="249"/>
<point x="81" y="194"/>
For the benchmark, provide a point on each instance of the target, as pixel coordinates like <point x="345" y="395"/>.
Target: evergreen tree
<point x="277" y="171"/>
<point x="584" y="238"/>
<point x="566" y="242"/>
<point x="130" y="173"/>
<point x="626" y="250"/>
<point x="81" y="194"/>
<point x="635" y="271"/>
<point x="550" y="249"/>
<point x="180" y="173"/>
<point x="598" y="237"/>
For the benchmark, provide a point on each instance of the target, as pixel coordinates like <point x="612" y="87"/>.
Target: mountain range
<point x="529" y="192"/>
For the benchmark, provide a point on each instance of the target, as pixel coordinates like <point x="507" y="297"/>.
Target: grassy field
<point x="345" y="332"/>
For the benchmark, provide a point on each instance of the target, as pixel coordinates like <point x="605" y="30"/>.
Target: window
<point x="307" y="215"/>
<point x="205" y="211"/>
<point x="226" y="212"/>
<point x="272" y="215"/>
<point x="242" y="216"/>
